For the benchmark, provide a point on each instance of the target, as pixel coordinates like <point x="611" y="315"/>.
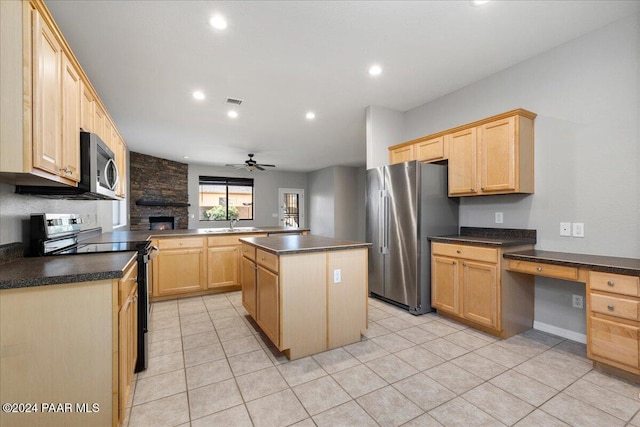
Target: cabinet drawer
<point x="249" y="251"/>
<point x="616" y="283"/>
<point x="540" y="269"/>
<point x="222" y="241"/>
<point x="191" y="242"/>
<point x="615" y="306"/>
<point x="614" y="341"/>
<point x="128" y="281"/>
<point x="267" y="260"/>
<point x="465" y="251"/>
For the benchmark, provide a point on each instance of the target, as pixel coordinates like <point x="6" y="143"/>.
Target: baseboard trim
<point x="564" y="333"/>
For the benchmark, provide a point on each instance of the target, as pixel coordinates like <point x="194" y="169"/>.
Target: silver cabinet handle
<point x="458" y="251"/>
<point x="610" y="307"/>
<point x="464" y="264"/>
<point x="610" y="283"/>
<point x="539" y="268"/>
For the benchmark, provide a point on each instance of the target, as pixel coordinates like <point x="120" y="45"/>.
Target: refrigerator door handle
<point x="385" y="223"/>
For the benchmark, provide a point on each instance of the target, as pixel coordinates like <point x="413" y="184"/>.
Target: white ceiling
<point x="284" y="58"/>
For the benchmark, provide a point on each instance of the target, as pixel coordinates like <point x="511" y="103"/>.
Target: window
<point x="224" y="199"/>
<point x="119" y="213"/>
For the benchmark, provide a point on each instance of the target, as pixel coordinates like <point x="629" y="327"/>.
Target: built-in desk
<point x="613" y="302"/>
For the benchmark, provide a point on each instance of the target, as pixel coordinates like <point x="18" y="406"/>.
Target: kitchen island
<point x="307" y="293"/>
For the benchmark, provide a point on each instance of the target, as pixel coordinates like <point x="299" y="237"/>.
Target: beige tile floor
<point x="209" y="365"/>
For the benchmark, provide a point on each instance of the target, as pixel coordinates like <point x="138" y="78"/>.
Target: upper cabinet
<point x="46" y="100"/>
<point x="490" y="156"/>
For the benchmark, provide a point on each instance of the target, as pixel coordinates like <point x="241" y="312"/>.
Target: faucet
<point x="232" y="223"/>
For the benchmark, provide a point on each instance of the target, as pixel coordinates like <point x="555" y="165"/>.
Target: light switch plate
<point x="499" y="218"/>
<point x="565" y="229"/>
<point x="337" y="276"/>
<point x="578" y="229"/>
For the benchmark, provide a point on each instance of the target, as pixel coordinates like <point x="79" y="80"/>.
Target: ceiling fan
<point x="251" y="165"/>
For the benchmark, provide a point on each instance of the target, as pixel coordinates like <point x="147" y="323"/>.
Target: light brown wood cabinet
<point x="222" y="266"/>
<point x="73" y="342"/>
<point x="613" y="320"/>
<point x="471" y="284"/>
<point x="180" y="267"/>
<point x="46" y="99"/>
<point x="489" y="156"/>
<point x="127" y="335"/>
<point x="402" y="154"/>
<point x="298" y="306"/>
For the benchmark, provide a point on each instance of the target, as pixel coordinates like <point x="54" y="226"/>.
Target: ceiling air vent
<point x="233" y="101"/>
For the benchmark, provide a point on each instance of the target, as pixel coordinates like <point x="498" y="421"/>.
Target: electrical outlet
<point x="337" y="276"/>
<point x="499" y="218"/>
<point x="578" y="229"/>
<point x="577" y="301"/>
<point x="565" y="229"/>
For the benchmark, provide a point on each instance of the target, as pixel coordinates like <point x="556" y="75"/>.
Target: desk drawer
<point x="614" y="306"/>
<point x="615" y="283"/>
<point x="614" y="341"/>
<point x="267" y="260"/>
<point x="540" y="269"/>
<point x="191" y="242"/>
<point x="465" y="251"/>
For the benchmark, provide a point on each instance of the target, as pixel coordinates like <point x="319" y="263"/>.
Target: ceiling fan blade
<point x="259" y="167"/>
<point x="267" y="166"/>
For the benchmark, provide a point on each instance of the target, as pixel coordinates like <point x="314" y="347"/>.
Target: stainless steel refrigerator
<point x="406" y="202"/>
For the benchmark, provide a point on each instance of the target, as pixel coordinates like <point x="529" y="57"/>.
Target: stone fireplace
<point x="159" y="188"/>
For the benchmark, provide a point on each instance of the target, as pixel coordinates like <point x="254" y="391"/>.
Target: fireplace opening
<point x="161" y="223"/>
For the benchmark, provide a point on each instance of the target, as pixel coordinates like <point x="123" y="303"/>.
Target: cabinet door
<point x="444" y="284"/>
<point x="248" y="278"/>
<point x="497" y="155"/>
<point x="222" y="264"/>
<point x="480" y="293"/>
<point x="124" y="358"/>
<point x="430" y="150"/>
<point x="402" y="154"/>
<point x="268" y="309"/>
<point x="47" y="94"/>
<point x="121" y="162"/>
<point x="70" y="120"/>
<point x="99" y="121"/>
<point x="463" y="162"/>
<point x="179" y="271"/>
<point x="87" y="108"/>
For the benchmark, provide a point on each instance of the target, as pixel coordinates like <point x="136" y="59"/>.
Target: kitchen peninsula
<point x="307" y="293"/>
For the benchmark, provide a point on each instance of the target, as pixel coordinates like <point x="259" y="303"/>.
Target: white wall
<point x="266" y="185"/>
<point x="321" y="198"/>
<point x="384" y="127"/>
<point x="587" y="151"/>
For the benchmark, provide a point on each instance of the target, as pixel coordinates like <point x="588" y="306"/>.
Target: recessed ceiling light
<point x="311" y="115"/>
<point x="232" y="113"/>
<point x="185" y="157"/>
<point x="478" y="2"/>
<point x="375" y="70"/>
<point x="198" y="95"/>
<point x="218" y="22"/>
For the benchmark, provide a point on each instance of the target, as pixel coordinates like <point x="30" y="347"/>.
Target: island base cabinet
<point x="248" y="278"/>
<point x="268" y="315"/>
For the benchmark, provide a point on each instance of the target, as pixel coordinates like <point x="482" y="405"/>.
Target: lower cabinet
<point x="613" y="320"/>
<point x="297" y="304"/>
<point x="222" y="266"/>
<point x="127" y="335"/>
<point x="268" y="310"/>
<point x="471" y="284"/>
<point x="180" y="266"/>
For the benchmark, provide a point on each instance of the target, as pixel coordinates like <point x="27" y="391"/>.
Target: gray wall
<point x="266" y="185"/>
<point x="15" y="210"/>
<point x="587" y="150"/>
<point x="384" y="128"/>
<point x="336" y="202"/>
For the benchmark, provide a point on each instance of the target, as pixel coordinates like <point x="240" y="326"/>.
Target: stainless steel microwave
<point x="98" y="174"/>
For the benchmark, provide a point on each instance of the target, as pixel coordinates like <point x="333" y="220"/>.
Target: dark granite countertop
<point x="497" y="237"/>
<point x="296" y="244"/>
<point x="141" y="236"/>
<point x="608" y="264"/>
<point x="53" y="270"/>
